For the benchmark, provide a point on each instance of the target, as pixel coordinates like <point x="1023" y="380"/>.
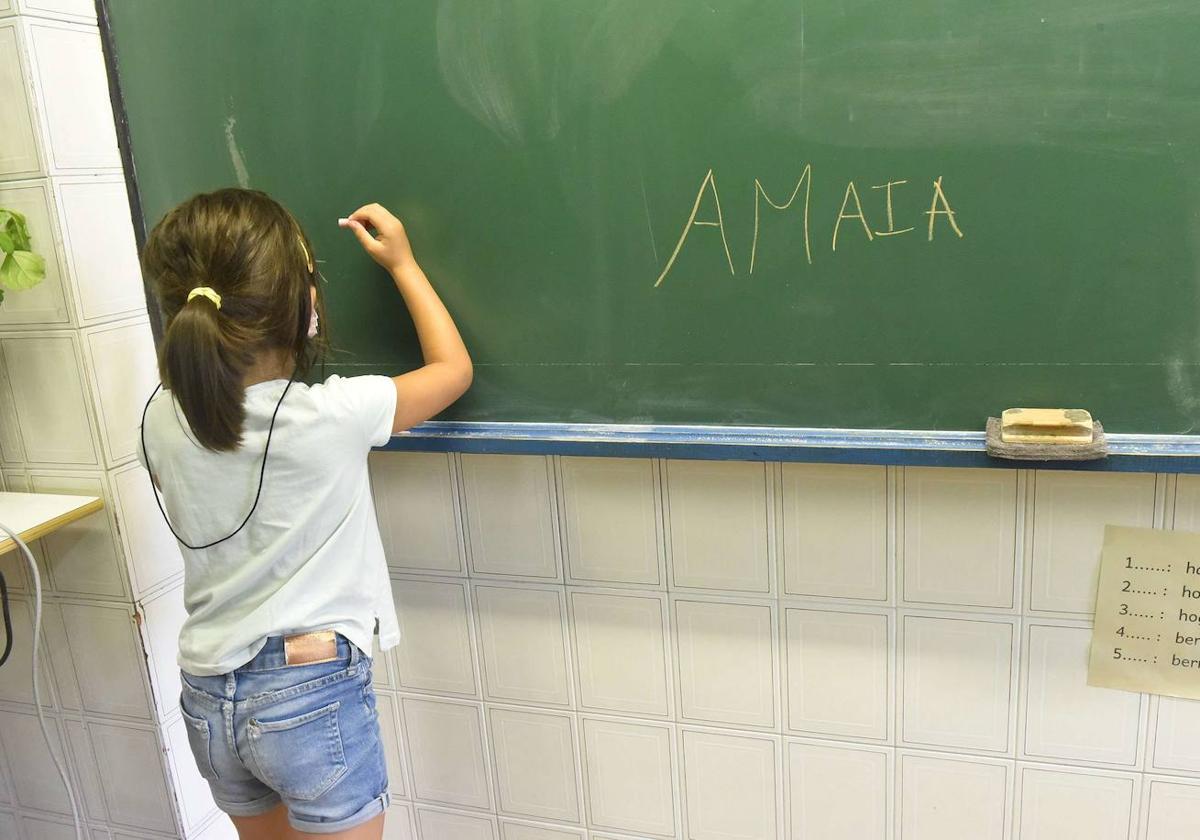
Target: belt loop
<point x="230" y="686"/>
<point x="353" y="652"/>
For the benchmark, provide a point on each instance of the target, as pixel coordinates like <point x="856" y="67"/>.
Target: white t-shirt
<point x="310" y="557"/>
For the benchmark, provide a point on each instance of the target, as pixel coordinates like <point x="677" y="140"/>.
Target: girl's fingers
<point x="365" y="239"/>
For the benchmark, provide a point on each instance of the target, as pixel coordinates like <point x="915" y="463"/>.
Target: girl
<point x="265" y="484"/>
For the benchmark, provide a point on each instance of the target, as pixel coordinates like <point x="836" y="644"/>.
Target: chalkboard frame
<point x="881" y="447"/>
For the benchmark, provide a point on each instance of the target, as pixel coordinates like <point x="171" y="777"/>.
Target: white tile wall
<point x="898" y="683"/>
<point x="957" y="682"/>
<point x="942" y="797"/>
<point x="1056" y="803"/>
<point x="97" y="232"/>
<point x="45" y="425"/>
<point x="72" y="88"/>
<point x="612" y="521"/>
<point x="510" y="521"/>
<point x="960" y="537"/>
<point x="730" y="785"/>
<point x="83" y="11"/>
<point x="835" y="531"/>
<point x="123" y="373"/>
<point x="718" y="525"/>
<point x="536" y="759"/>
<point x="838" y="792"/>
<point x="839" y="672"/>
<point x="19" y="151"/>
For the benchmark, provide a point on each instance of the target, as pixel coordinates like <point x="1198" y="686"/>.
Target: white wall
<point x="635" y="648"/>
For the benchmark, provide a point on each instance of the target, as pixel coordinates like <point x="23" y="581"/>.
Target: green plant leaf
<point x="5" y="215"/>
<point x="21" y="239"/>
<point x="6" y="242"/>
<point x="22" y="270"/>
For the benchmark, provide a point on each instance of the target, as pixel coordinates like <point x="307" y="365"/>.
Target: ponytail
<point x="204" y="362"/>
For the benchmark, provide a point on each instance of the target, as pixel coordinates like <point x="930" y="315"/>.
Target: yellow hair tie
<point x="205" y="291"/>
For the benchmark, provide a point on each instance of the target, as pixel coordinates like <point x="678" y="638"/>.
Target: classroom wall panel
<point x="621" y="652"/>
<point x="52" y="426"/>
<point x="612" y="521"/>
<point x="1176" y="734"/>
<point x="948" y="798"/>
<point x="437" y="647"/>
<point x="123" y="372"/>
<point x="105" y="655"/>
<point x="839" y="672"/>
<point x="536" y="759"/>
<point x="445" y="742"/>
<point x="838" y="792"/>
<point x="151" y="552"/>
<point x="730" y="785"/>
<point x="960" y="537"/>
<point x="630" y="775"/>
<point x="718" y="525"/>
<point x="72" y="91"/>
<point x="1169" y="808"/>
<point x="17" y="685"/>
<point x="835" y="531"/>
<point x="510" y="516"/>
<point x="957" y="682"/>
<point x="523" y="644"/>
<point x="19" y="155"/>
<point x="1053" y="803"/>
<point x="83" y="11"/>
<point x="98" y="243"/>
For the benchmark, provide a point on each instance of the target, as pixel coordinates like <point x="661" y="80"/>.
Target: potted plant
<point x="20" y="268"/>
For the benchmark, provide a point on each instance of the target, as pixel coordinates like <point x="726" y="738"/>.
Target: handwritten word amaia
<point x="939" y="207"/>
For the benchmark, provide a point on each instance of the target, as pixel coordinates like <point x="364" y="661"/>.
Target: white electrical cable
<point x="37" y="697"/>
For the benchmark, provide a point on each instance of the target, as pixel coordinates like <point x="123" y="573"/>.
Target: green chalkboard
<point x="1039" y="243"/>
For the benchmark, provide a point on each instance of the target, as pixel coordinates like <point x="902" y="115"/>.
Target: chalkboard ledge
<point x="1128" y="453"/>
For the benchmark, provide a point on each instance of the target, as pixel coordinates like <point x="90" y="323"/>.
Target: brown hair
<point x="247" y="247"/>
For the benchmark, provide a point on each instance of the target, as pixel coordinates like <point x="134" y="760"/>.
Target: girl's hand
<point x="389" y="246"/>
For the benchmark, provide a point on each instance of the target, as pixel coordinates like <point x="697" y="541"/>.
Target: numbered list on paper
<point x="1147" y="632"/>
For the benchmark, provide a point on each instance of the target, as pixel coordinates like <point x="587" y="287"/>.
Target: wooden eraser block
<point x="1046" y="425"/>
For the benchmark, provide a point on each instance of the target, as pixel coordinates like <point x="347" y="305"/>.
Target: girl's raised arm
<point x="447" y="372"/>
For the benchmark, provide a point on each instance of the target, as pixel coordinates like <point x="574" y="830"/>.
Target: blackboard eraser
<point x="1046" y="434"/>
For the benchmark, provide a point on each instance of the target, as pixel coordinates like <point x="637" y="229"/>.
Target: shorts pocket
<point x="299" y="757"/>
<point x="199" y="738"/>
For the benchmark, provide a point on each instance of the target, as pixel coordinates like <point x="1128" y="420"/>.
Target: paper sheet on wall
<point x="1147" y="632"/>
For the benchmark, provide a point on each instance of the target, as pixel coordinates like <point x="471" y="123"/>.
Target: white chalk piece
<point x="343" y="222"/>
<point x="1146" y="636"/>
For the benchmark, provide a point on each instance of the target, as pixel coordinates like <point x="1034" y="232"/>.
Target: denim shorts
<point x="303" y="735"/>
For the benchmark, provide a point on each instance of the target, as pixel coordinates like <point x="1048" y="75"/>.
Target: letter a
<point x="851" y="191"/>
<point x="692" y="222"/>
<point x="933" y="212"/>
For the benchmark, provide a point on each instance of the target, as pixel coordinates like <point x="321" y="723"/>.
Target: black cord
<point x="8" y="637"/>
<point x="261" y="474"/>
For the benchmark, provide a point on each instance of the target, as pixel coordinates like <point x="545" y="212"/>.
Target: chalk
<point x="343" y="223"/>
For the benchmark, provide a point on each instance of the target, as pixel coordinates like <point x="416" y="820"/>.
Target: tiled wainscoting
<point x="611" y="648"/>
<point x="637" y="648"/>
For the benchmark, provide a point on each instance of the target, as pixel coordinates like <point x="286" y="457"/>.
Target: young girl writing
<point x="265" y="485"/>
